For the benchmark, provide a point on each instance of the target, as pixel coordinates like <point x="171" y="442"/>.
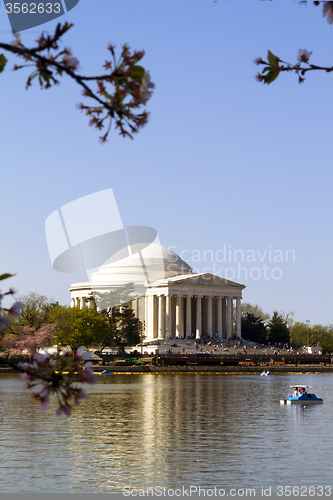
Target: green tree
<point x="278" y="330"/>
<point x="255" y="310"/>
<point x="81" y="327"/>
<point x="299" y="333"/>
<point x="38" y="310"/>
<point x="322" y="335"/>
<point x="125" y="329"/>
<point x="129" y="329"/>
<point x="253" y="328"/>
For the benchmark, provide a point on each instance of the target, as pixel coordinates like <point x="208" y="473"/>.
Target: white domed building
<point x="169" y="299"/>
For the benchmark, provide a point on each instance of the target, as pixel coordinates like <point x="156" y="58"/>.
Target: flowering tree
<point x="121" y="91"/>
<point x="13" y="311"/>
<point x="28" y="341"/>
<point x="273" y="66"/>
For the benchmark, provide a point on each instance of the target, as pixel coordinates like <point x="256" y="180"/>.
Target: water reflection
<point x="203" y="430"/>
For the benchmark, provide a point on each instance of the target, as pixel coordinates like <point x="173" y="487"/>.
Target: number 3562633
<point x="33" y="8"/>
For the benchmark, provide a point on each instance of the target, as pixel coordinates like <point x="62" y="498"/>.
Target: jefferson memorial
<point x="168" y="298"/>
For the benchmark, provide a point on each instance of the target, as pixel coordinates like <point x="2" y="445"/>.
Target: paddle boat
<point x="266" y="374"/>
<point x="301" y="395"/>
<point x="105" y="372"/>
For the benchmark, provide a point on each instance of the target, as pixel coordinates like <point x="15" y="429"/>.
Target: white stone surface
<point x="166" y="285"/>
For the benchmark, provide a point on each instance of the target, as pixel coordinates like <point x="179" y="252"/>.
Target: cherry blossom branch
<point x="58" y="373"/>
<point x="13" y="311"/>
<point x="274" y="66"/>
<point x="130" y="83"/>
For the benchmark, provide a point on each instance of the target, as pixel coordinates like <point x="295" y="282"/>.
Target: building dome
<point x="152" y="263"/>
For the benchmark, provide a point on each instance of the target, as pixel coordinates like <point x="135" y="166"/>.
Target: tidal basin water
<point x="139" y="431"/>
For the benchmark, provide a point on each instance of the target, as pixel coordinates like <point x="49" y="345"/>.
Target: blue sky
<point x="224" y="161"/>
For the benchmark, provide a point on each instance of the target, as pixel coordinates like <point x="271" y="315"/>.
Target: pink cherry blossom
<point x="80" y="395"/>
<point x="3" y="322"/>
<point x="43" y="357"/>
<point x="82" y="354"/>
<point x="146" y="84"/>
<point x="89" y="376"/>
<point x="14" y="310"/>
<point x="328" y="11"/>
<point x="44" y="404"/>
<point x="17" y="41"/>
<point x="70" y="60"/>
<point x="303" y="55"/>
<point x="65" y="409"/>
<point x="45" y="392"/>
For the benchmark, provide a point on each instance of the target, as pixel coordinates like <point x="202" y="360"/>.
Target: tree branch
<point x="130" y="82"/>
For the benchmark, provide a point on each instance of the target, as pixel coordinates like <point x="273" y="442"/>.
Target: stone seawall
<point x="231" y="370"/>
<point x="216" y="369"/>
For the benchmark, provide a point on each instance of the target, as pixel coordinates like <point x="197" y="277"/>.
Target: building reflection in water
<point x="167" y="430"/>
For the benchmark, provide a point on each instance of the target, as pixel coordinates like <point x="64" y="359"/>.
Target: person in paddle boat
<point x="301" y="395"/>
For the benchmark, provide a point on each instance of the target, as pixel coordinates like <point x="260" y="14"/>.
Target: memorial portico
<point x="200" y="304"/>
<point x="180" y="304"/>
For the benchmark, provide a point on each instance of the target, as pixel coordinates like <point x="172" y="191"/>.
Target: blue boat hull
<point x="309" y="399"/>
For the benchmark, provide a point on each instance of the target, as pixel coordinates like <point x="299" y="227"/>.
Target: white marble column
<point x="179" y="314"/>
<point x="150" y="317"/>
<point x="219" y="317"/>
<point x="238" y="317"/>
<point x="146" y="316"/>
<point x="78" y="302"/>
<point x="198" y="319"/>
<point x="72" y="302"/>
<point x="161" y="317"/>
<point x="168" y="316"/>
<point x="182" y="324"/>
<point x="155" y="316"/>
<point x="188" y="317"/>
<point x="224" y="318"/>
<point x="210" y="315"/>
<point x="229" y="318"/>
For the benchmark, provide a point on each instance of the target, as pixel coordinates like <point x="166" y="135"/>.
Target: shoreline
<point x="206" y="370"/>
<point x="211" y="370"/>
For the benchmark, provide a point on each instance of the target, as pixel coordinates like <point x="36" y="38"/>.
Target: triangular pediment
<point x="203" y="279"/>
